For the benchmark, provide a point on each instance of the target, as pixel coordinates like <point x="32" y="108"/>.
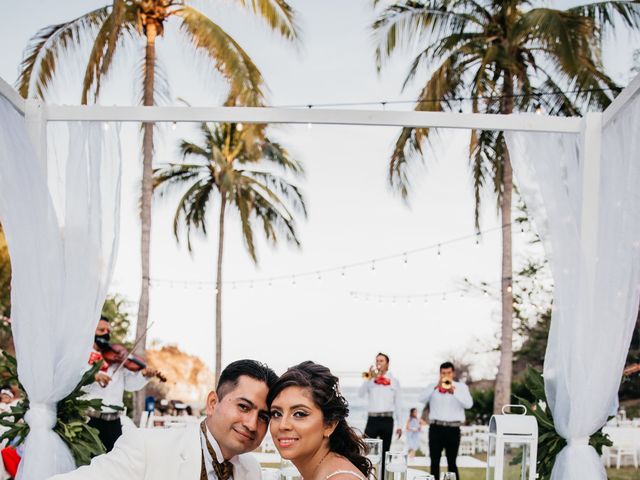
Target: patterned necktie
<point x="223" y="470"/>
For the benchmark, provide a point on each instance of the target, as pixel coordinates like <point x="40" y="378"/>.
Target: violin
<point x="113" y="353"/>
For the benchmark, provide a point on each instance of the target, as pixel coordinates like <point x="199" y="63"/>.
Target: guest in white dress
<point x="413" y="429"/>
<point x="309" y="425"/>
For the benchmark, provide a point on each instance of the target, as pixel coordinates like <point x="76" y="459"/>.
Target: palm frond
<point x="278" y="189"/>
<point x="442" y="88"/>
<point x="482" y="153"/>
<point x="118" y="14"/>
<point x="414" y="21"/>
<point x="566" y="36"/>
<point x="278" y="14"/>
<point x="172" y="176"/>
<point x="247" y="84"/>
<point x="109" y="36"/>
<point x="245" y="206"/>
<point x="605" y="14"/>
<point x="275" y="153"/>
<point x="44" y="48"/>
<point x="189" y="148"/>
<point x="192" y="208"/>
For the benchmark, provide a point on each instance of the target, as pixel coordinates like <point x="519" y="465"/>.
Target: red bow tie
<point x="442" y="390"/>
<point x="382" y="381"/>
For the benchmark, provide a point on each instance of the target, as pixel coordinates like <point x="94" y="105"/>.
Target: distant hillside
<point x="188" y="378"/>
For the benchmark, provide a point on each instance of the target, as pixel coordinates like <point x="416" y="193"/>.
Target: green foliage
<point x="114" y="310"/>
<point x="549" y="442"/>
<point x="5" y="278"/>
<point x="71" y="426"/>
<point x="482" y="409"/>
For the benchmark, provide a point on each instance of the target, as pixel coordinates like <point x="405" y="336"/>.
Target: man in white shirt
<point x="384" y="403"/>
<point x="111" y="383"/>
<point x="447" y="401"/>
<point x="236" y="423"/>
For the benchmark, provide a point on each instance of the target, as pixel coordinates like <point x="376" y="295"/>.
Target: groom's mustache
<point x="242" y="430"/>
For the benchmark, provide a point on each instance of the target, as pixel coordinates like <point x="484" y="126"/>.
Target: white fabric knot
<point x="41" y="416"/>
<point x="578" y="442"/>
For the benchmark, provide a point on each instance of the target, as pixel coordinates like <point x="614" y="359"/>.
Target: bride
<point x="309" y="427"/>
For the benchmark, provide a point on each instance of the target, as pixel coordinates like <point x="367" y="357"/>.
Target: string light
<point x="174" y="125"/>
<point x="239" y="127"/>
<point x="395" y="297"/>
<point x="384" y="103"/>
<point x="318" y="273"/>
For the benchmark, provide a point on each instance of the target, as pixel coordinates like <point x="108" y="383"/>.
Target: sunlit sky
<point x="353" y="214"/>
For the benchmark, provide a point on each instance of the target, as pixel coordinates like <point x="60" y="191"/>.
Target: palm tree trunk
<point x="505" y="368"/>
<point x="223" y="205"/>
<point x="145" y="208"/>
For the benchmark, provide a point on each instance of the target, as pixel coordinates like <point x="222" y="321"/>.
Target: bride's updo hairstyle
<point x="323" y="386"/>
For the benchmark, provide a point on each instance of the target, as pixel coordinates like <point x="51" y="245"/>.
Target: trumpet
<point x="371" y="373"/>
<point x="446" y="384"/>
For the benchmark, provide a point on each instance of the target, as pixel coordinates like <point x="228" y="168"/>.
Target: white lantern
<point x="513" y="446"/>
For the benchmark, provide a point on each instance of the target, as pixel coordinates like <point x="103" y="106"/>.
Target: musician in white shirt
<point x="384" y="403"/>
<point x="217" y="449"/>
<point x="111" y="383"/>
<point x="447" y="401"/>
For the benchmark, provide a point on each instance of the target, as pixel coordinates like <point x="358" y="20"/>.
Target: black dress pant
<point x="108" y="430"/>
<point x="447" y="438"/>
<point x="380" y="427"/>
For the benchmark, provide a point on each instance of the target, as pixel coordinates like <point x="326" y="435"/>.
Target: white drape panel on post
<point x="62" y="243"/>
<point x="595" y="300"/>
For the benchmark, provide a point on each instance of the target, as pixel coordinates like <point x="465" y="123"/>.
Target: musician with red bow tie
<point x="384" y="403"/>
<point x="447" y="401"/>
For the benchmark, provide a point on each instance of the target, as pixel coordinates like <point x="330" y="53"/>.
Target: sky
<point x="354" y="216"/>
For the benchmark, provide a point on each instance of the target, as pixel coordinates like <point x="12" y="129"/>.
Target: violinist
<point x="111" y="382"/>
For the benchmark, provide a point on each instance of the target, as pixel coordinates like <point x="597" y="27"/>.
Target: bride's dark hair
<point x="325" y="392"/>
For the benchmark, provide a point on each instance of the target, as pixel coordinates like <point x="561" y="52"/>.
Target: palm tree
<point x="234" y="171"/>
<point x="502" y="55"/>
<point x="110" y="27"/>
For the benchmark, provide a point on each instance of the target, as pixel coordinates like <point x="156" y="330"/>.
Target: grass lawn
<point x="627" y="473"/>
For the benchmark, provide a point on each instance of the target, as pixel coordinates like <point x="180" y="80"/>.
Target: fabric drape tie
<point x="578" y="442"/>
<point x="41" y="416"/>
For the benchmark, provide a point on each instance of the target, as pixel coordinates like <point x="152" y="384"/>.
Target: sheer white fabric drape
<point x="592" y="319"/>
<point x="62" y="243"/>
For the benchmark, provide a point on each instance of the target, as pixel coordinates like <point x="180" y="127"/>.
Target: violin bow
<point x="135" y="344"/>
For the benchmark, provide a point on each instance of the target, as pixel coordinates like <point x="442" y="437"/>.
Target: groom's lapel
<point x="190" y="456"/>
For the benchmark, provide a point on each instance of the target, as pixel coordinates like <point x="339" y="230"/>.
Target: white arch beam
<point x="521" y="122"/>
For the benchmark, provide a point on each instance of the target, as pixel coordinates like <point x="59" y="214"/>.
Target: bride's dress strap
<point x="346" y="472"/>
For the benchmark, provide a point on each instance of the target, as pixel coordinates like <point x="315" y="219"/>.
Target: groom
<point x="236" y="422"/>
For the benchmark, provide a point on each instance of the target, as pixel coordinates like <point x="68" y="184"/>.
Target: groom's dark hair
<point x="251" y="368"/>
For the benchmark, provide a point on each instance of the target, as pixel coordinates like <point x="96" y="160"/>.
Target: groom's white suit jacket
<point x="157" y="454"/>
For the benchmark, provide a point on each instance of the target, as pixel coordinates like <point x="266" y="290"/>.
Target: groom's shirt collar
<point x="208" y="461"/>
